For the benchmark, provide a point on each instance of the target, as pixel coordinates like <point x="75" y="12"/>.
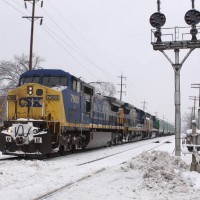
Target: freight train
<point x="54" y="111"/>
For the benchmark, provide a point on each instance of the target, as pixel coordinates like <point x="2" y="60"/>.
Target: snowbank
<point x="164" y="177"/>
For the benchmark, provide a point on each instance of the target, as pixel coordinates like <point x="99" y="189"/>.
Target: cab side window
<point x="76" y="85"/>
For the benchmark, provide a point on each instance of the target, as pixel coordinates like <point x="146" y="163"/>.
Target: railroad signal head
<point x="158" y="35"/>
<point x="194" y="32"/>
<point x="192" y="17"/>
<point x="157" y="20"/>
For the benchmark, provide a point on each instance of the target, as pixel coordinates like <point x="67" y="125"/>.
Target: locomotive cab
<point x="34" y="113"/>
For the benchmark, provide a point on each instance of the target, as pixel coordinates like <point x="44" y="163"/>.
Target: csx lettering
<point x="74" y="99"/>
<point x="30" y="102"/>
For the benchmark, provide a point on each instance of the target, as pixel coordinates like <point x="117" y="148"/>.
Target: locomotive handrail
<point x="50" y="109"/>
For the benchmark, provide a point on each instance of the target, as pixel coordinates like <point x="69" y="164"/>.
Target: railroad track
<point x="68" y="185"/>
<point x="120" y="153"/>
<point x="57" y="155"/>
<point x="64" y="187"/>
<point x="10" y="158"/>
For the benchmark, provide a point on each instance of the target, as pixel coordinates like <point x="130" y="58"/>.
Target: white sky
<point x="102" y="39"/>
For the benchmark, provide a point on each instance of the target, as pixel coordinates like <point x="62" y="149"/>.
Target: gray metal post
<point x="177" y="69"/>
<point x="198" y="124"/>
<point x="194" y="164"/>
<point x="198" y="118"/>
<point x="197" y="86"/>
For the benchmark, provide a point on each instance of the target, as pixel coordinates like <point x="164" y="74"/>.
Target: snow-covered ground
<point x="121" y="172"/>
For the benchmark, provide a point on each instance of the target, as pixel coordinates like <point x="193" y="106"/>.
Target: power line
<point x="19" y="4"/>
<point x="87" y="41"/>
<point x="76" y="60"/>
<point x="83" y="54"/>
<point x="78" y="49"/>
<point x="80" y="52"/>
<point x="14" y="7"/>
<point x="51" y="33"/>
<point x="83" y="37"/>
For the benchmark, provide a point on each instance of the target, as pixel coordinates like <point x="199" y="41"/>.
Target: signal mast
<point x="157" y="20"/>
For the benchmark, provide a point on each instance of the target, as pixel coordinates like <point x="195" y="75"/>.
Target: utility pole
<point x="121" y="86"/>
<point x="32" y="19"/>
<point x="191" y="115"/>
<point x="163" y="117"/>
<point x="157" y="20"/>
<point x="198" y="87"/>
<point x="144" y="103"/>
<point x="194" y="98"/>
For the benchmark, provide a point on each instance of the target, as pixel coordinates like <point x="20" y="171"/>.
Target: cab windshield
<point x="25" y="80"/>
<point x="49" y="81"/>
<point x="52" y="81"/>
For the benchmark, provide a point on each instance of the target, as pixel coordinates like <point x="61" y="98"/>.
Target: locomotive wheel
<point x="62" y="150"/>
<point x="109" y="143"/>
<point x="73" y="149"/>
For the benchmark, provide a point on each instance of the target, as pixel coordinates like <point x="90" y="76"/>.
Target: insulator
<point x="25" y="5"/>
<point x="41" y="21"/>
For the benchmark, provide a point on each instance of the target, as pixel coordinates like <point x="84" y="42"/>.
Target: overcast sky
<point x="102" y="39"/>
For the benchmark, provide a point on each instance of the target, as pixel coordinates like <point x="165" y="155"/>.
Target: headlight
<point x="30" y="90"/>
<point x="35" y="131"/>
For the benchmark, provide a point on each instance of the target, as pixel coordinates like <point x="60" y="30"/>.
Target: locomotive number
<point x="8" y="139"/>
<point x="74" y="99"/>
<point x="52" y="97"/>
<point x="11" y="97"/>
<point x="38" y="140"/>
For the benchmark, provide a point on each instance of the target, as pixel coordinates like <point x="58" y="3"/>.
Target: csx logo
<point x="74" y="99"/>
<point x="30" y="102"/>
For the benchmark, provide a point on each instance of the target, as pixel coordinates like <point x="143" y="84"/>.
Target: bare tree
<point x="9" y="76"/>
<point x="104" y="88"/>
<point x="11" y="70"/>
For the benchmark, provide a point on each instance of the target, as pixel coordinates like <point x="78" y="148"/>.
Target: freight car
<point x="52" y="110"/>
